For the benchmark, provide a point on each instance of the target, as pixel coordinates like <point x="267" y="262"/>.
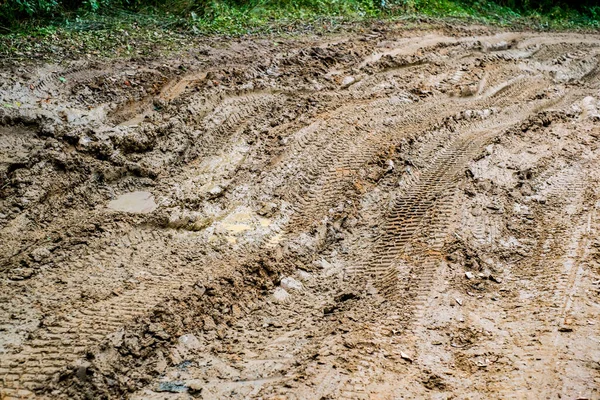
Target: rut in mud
<point x="393" y="214"/>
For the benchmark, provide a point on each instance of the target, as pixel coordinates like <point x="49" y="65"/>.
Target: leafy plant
<point x="239" y="16"/>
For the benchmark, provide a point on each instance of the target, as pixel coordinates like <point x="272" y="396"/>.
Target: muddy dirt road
<point x="386" y="215"/>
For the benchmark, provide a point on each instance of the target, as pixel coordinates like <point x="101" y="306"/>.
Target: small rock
<point x="161" y="363"/>
<point x="303" y="275"/>
<point x="405" y="356"/>
<point x="281" y="295"/>
<point x="40" y="254"/>
<point x="390" y="165"/>
<point x="201" y="224"/>
<point x="290" y="283"/>
<point x="178" y="219"/>
<point x="469" y="275"/>
<point x="116" y="338"/>
<point x="236" y="311"/>
<point x="216" y="191"/>
<point x="348" y="81"/>
<point x="267" y="210"/>
<point x="20" y="274"/>
<point x="495" y="279"/>
<point x="81" y="372"/>
<point x="189" y="341"/>
<point x="158" y="331"/>
<point x="458" y="301"/>
<point x="395" y="100"/>
<point x="195" y="385"/>
<point x="330" y="309"/>
<point x="199" y="288"/>
<point x="172" y="387"/>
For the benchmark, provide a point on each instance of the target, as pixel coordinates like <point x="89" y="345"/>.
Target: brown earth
<point x="382" y="215"/>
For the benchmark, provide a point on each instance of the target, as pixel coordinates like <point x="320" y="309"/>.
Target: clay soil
<point x="386" y="214"/>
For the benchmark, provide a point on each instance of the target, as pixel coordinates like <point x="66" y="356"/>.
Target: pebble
<point x="172" y="387"/>
<point x="189" y="341"/>
<point x="303" y="275"/>
<point x="40" y="254"/>
<point x="290" y="283"/>
<point x="280" y="294"/>
<point x="348" y="81"/>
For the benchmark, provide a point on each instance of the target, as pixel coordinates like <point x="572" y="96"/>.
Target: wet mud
<point x="379" y="215"/>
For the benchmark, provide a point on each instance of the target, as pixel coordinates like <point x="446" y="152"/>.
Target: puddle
<point x="134" y="202"/>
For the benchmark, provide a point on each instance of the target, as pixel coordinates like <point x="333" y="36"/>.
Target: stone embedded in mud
<point x="215" y="191"/>
<point x="268" y="209"/>
<point x="195" y="385"/>
<point x="21" y="274"/>
<point x="290" y="283"/>
<point x="303" y="275"/>
<point x="40" y="254"/>
<point x="348" y="81"/>
<point x="186" y="344"/>
<point x="172" y="387"/>
<point x="281" y="295"/>
<point x="134" y="202"/>
<point x="405" y="356"/>
<point x="189" y="341"/>
<point x="158" y="331"/>
<point x="184" y="218"/>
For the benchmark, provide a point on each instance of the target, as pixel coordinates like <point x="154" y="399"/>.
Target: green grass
<point x="103" y="31"/>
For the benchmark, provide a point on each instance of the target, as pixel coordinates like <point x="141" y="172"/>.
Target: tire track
<point x="44" y="86"/>
<point x="67" y="338"/>
<point x="136" y="111"/>
<point x="354" y="148"/>
<point x="322" y="166"/>
<point x="30" y="368"/>
<point x="554" y="270"/>
<point x="64" y="343"/>
<point x="410" y="212"/>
